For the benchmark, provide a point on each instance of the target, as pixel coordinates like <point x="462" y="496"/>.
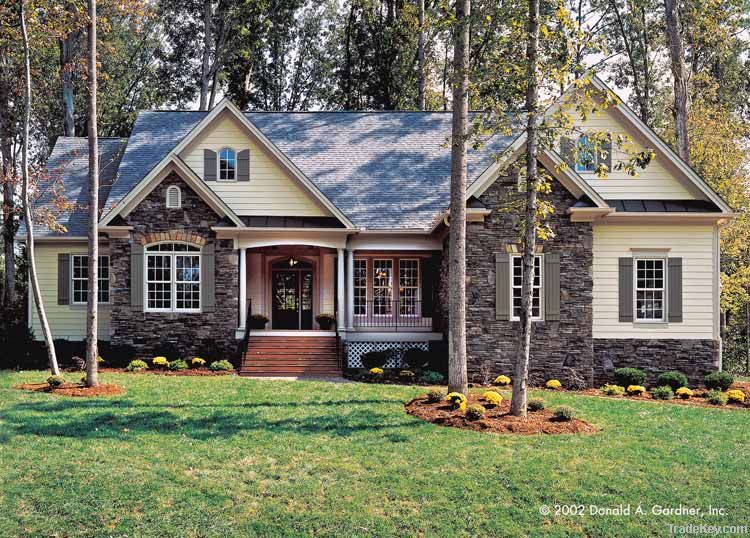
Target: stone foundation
<point x="694" y="358"/>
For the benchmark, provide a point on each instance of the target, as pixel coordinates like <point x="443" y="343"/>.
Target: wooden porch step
<point x="284" y="356"/>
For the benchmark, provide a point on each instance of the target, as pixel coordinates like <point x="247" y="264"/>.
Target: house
<point x="209" y="218"/>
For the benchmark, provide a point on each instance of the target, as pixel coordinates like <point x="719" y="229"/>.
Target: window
<point x="360" y="287"/>
<point x="649" y="289"/>
<point x="382" y="287"/>
<point x="173" y="277"/>
<point x="80" y="274"/>
<point x="174" y="197"/>
<point x="408" y="287"/>
<point x="587" y="155"/>
<point x="517" y="280"/>
<point x="227" y="164"/>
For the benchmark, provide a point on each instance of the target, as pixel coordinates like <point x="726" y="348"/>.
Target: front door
<point x="292" y="299"/>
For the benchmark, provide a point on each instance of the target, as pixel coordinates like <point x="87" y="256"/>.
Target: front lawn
<point x="226" y="456"/>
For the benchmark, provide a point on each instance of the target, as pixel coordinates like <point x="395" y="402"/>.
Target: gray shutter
<point x="502" y="286"/>
<point x="552" y="286"/>
<point x="63" y="279"/>
<point x="674" y="290"/>
<point x="208" y="277"/>
<point x="626" y="289"/>
<point x="136" y="276"/>
<point x="606" y="148"/>
<point x="243" y="165"/>
<point x="209" y="165"/>
<point x="567" y="150"/>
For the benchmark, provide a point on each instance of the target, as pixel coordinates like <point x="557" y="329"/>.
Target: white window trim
<point x="73" y="279"/>
<point x="367" y="282"/>
<point x="218" y="165"/>
<point x="390" y="306"/>
<point x="595" y="159"/>
<point x="540" y="317"/>
<point x="173" y="280"/>
<point x="173" y="188"/>
<point x="664" y="288"/>
<point x="418" y="287"/>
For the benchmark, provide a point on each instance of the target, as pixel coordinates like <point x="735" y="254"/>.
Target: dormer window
<point x="227" y="164"/>
<point x="587" y="155"/>
<point x="174" y="197"/>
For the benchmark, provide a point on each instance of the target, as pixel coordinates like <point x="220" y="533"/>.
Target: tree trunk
<point x="218" y="59"/>
<point x="67" y="51"/>
<point x="10" y="222"/>
<point x="92" y="311"/>
<point x="457" y="377"/>
<point x="679" y="74"/>
<point x="520" y="382"/>
<point x="205" y="66"/>
<point x="33" y="277"/>
<point x="421" y="58"/>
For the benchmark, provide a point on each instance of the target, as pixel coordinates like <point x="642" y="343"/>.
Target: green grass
<point x="226" y="456"/>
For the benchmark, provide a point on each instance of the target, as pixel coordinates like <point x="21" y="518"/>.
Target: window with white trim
<point x="408" y="287"/>
<point x="227" y="164"/>
<point x="174" y="197"/>
<point x="586" y="160"/>
<point x="382" y="287"/>
<point x="173" y="277"/>
<point x="360" y="287"/>
<point x="650" y="279"/>
<point x="80" y="276"/>
<point x="516" y="283"/>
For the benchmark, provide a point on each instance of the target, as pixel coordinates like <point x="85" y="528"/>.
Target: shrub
<point x="716" y="397"/>
<point x="553" y="384"/>
<point x="502" y="380"/>
<point x="160" y="363"/>
<point x="258" y="321"/>
<point x="613" y="390"/>
<point x="136" y="366"/>
<point x="535" y="404"/>
<point x="492" y="398"/>
<point x="77" y="363"/>
<point x="416" y="358"/>
<point x="100" y="360"/>
<point x="565" y="413"/>
<point x="673" y="380"/>
<point x="636" y="390"/>
<point x="684" y="393"/>
<point x="55" y="380"/>
<point x="222" y="365"/>
<point x="374" y="359"/>
<point x="719" y="380"/>
<point x="457" y="400"/>
<point x="197" y="362"/>
<point x="178" y="365"/>
<point x="325" y="321"/>
<point x="630" y="376"/>
<point x="432" y="377"/>
<point x="736" y="396"/>
<point x="406" y="374"/>
<point x="475" y="412"/>
<point x="435" y="396"/>
<point x="662" y="393"/>
<point x="375" y="372"/>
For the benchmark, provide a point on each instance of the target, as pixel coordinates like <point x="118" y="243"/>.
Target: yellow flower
<point x="684" y="393"/>
<point x="406" y="373"/>
<point x="553" y="384"/>
<point x="99" y="360"/>
<point x="457" y="400"/>
<point x="492" y="398"/>
<point x="160" y="361"/>
<point x="197" y="362"/>
<point x="736" y="396"/>
<point x="636" y="389"/>
<point x="462" y="406"/>
<point x="376" y="371"/>
<point x="502" y="380"/>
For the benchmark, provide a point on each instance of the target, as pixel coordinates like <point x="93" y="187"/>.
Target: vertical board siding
<point x="692" y="243"/>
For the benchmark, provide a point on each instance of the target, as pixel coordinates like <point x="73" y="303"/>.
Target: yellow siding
<point x="66" y="321"/>
<point x="655" y="182"/>
<point x="694" y="244"/>
<point x="270" y="191"/>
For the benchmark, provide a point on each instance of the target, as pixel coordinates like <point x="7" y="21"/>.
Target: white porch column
<point x="349" y="290"/>
<point x="243" y="289"/>
<point x="340" y="300"/>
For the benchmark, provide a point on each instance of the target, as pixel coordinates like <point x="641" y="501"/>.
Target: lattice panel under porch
<point x="356" y="349"/>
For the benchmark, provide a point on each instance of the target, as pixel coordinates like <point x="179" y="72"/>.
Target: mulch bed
<point x="73" y="389"/>
<point x="193" y="372"/>
<point x="497" y="419"/>
<point x="698" y="399"/>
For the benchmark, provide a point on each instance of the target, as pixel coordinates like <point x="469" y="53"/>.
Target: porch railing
<point x="391" y="314"/>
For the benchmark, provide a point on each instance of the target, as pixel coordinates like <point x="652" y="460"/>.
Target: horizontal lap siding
<point x="694" y="244"/>
<point x="270" y="190"/>
<point x="66" y="321"/>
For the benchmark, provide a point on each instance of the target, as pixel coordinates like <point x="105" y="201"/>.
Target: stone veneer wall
<point x="190" y="333"/>
<point x="561" y="349"/>
<point x="694" y="358"/>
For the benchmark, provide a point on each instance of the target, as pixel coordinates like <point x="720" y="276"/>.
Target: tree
<point x="421" y="58"/>
<point x="33" y="277"/>
<point x="679" y="76"/>
<point x="92" y="335"/>
<point x="457" y="376"/>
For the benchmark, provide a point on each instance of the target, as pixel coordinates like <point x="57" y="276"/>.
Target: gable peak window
<point x="174" y="197"/>
<point x="587" y="155"/>
<point x="227" y="164"/>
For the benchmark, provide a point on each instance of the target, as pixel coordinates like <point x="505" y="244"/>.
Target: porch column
<point x="340" y="301"/>
<point x="243" y="289"/>
<point x="349" y="290"/>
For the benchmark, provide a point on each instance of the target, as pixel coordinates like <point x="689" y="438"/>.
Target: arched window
<point x="172" y="277"/>
<point x="587" y="158"/>
<point x="174" y="197"/>
<point x="227" y="164"/>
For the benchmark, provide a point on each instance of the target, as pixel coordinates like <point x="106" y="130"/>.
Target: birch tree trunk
<point x="520" y="381"/>
<point x="33" y="277"/>
<point x="205" y="66"/>
<point x="9" y="202"/>
<point x="679" y="74"/>
<point x="421" y="58"/>
<point x="457" y="377"/>
<point x="92" y="313"/>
